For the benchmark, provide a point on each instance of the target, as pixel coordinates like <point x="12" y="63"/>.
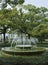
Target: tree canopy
<point x="34" y="22"/>
<point x="11" y="2"/>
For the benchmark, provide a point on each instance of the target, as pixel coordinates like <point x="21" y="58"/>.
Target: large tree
<point x="6" y="15"/>
<point x="5" y="23"/>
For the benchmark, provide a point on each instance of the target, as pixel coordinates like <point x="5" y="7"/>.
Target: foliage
<point x="31" y="22"/>
<point x="41" y="31"/>
<point x="12" y="3"/>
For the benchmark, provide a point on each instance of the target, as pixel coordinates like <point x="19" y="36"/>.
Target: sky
<point x="38" y="3"/>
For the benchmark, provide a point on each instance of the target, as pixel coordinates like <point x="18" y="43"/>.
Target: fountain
<point x="23" y="46"/>
<point x="21" y="43"/>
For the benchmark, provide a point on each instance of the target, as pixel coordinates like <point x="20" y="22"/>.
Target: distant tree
<point x="41" y="32"/>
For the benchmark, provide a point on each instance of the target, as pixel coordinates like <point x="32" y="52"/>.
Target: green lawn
<point x="23" y="60"/>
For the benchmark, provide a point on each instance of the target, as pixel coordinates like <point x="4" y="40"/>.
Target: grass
<point x="23" y="60"/>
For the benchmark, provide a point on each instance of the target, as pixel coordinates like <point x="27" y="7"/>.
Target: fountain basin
<point x="24" y="46"/>
<point x="17" y="51"/>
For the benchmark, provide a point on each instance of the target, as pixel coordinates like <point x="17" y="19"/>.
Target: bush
<point x="42" y="44"/>
<point x="5" y="44"/>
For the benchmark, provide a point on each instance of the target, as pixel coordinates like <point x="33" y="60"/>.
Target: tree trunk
<point x="22" y="38"/>
<point x="28" y="36"/>
<point x="4" y="37"/>
<point x="4" y="32"/>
